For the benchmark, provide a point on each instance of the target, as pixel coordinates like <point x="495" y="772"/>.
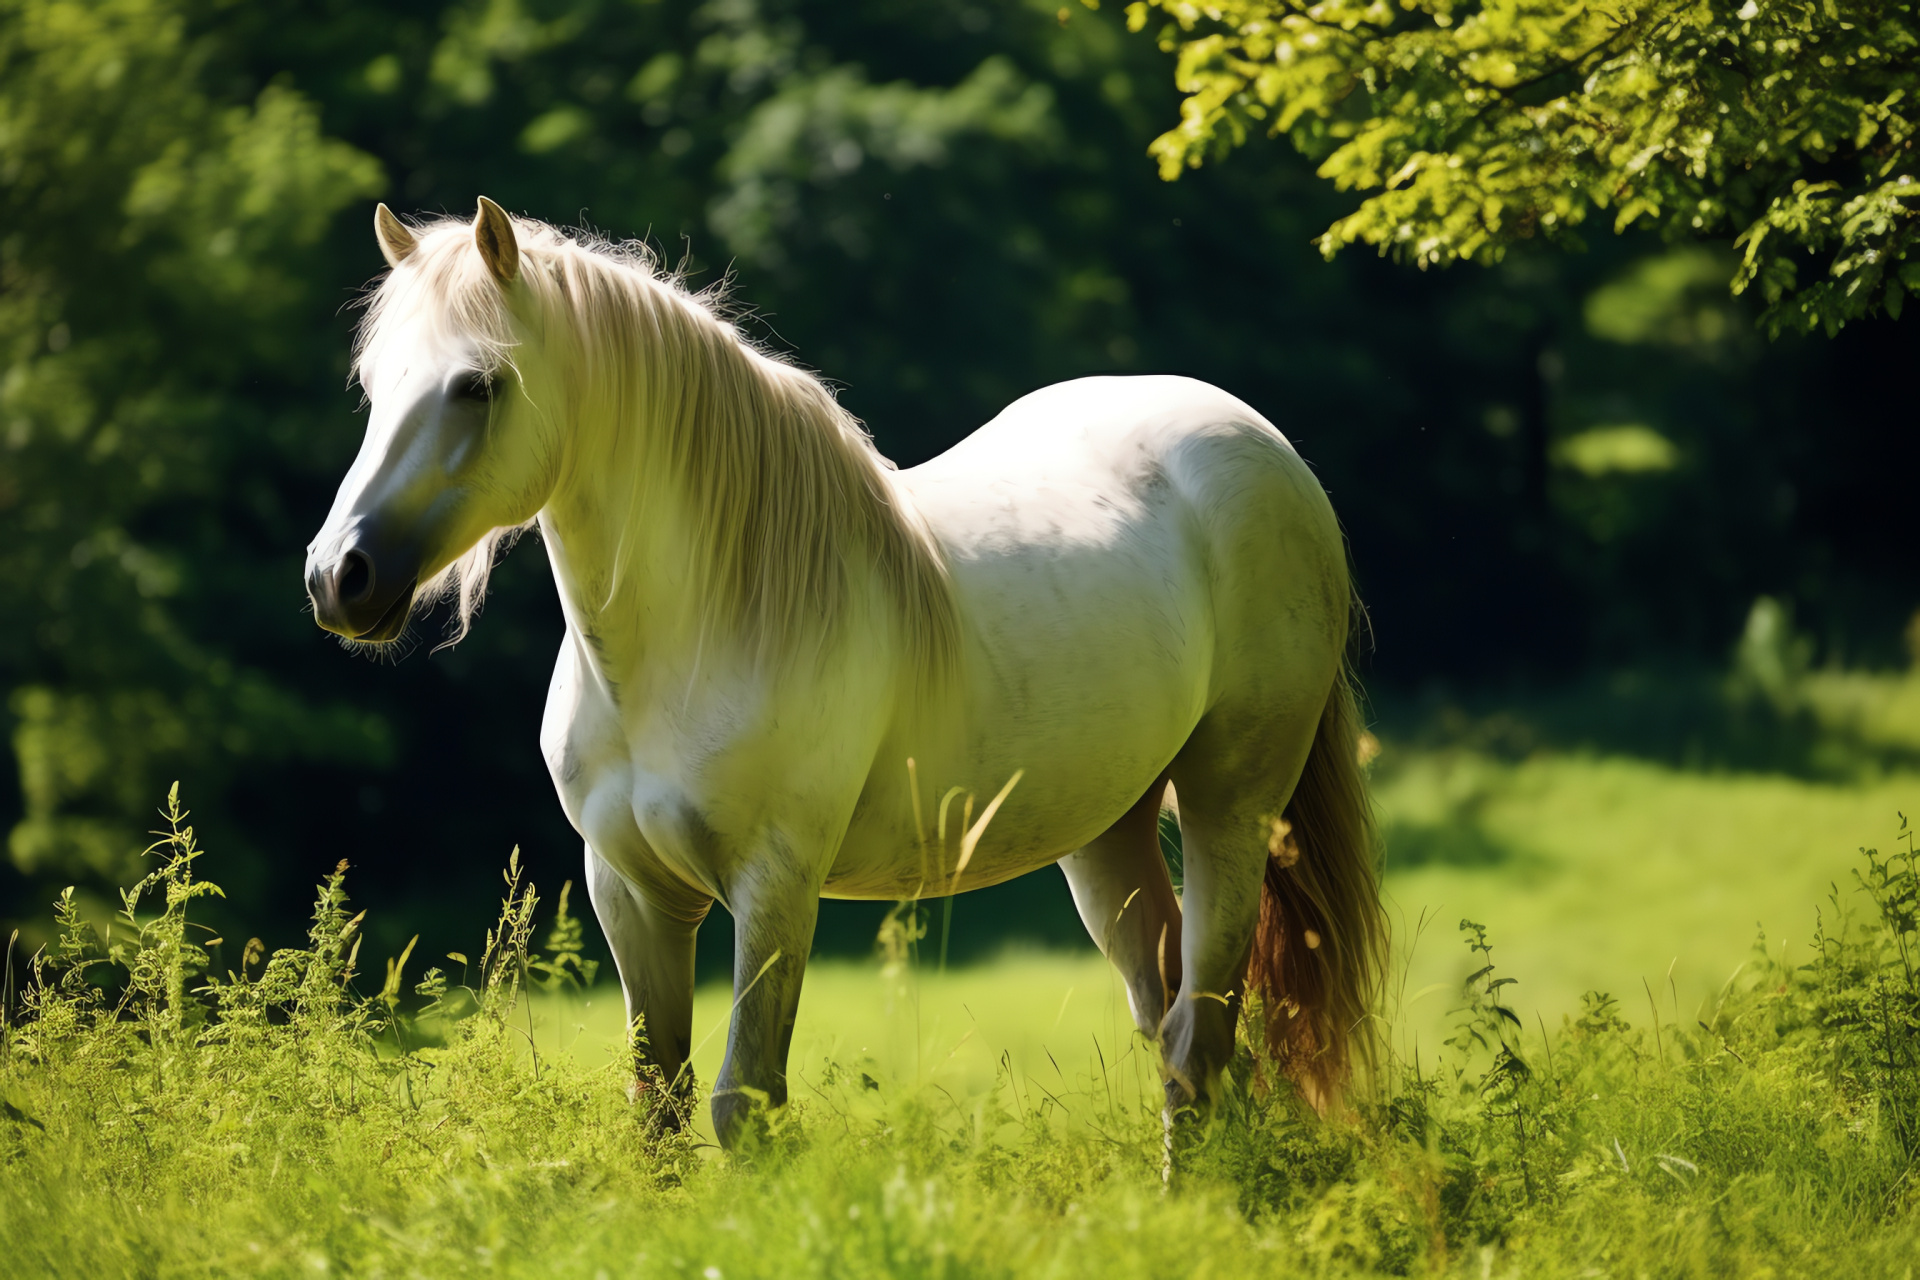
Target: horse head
<point x="453" y="457"/>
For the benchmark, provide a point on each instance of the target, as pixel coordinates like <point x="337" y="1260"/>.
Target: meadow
<point x="1638" y="1085"/>
<point x="1654" y="1007"/>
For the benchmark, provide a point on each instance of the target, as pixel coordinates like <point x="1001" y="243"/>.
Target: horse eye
<point x="473" y="385"/>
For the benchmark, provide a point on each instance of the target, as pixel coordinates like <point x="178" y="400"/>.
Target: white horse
<point x="791" y="670"/>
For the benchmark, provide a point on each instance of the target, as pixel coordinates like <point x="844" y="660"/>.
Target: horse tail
<point x="1320" y="951"/>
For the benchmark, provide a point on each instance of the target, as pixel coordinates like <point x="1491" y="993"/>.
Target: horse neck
<point x="615" y="545"/>
<point x="619" y="526"/>
<point x="668" y="524"/>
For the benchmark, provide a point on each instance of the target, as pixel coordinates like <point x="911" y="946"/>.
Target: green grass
<point x="1001" y="1119"/>
<point x="1045" y="1016"/>
<point x="1607" y="874"/>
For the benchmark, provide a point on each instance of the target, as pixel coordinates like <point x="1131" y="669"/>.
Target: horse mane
<point x="785" y="486"/>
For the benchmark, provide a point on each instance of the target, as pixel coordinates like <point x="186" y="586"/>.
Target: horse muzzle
<point x="352" y="597"/>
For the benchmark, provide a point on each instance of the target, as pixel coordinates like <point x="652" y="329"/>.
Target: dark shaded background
<point x="941" y="206"/>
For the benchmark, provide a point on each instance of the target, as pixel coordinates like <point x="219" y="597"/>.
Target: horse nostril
<point x="356" y="577"/>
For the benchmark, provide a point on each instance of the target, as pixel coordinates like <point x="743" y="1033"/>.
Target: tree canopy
<point x="1472" y="124"/>
<point x="941" y="205"/>
<point x="159" y="247"/>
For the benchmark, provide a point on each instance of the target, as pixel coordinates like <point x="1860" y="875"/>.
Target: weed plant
<point x="285" y="1119"/>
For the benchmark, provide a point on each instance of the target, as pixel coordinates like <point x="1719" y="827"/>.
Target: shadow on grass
<point x="1460" y="843"/>
<point x="1695" y="719"/>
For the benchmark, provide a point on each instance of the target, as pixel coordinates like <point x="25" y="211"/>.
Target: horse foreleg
<point x="1125" y="898"/>
<point x="774" y="909"/>
<point x="651" y="933"/>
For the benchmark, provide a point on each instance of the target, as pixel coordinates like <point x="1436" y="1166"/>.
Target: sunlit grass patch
<point x="1038" y="1019"/>
<point x="998" y="1121"/>
<point x="1602" y="873"/>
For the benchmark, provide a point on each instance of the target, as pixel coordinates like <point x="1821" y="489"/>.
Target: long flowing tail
<point x="1320" y="953"/>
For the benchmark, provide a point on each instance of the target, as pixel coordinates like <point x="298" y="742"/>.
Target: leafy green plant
<point x="125" y="1047"/>
<point x="1787" y="125"/>
<point x="1864" y="991"/>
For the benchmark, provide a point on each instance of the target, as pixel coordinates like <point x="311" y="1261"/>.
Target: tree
<point x="942" y="204"/>
<point x="156" y="241"/>
<point x="1788" y="124"/>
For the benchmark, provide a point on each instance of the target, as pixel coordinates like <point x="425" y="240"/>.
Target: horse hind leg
<point x="1125" y="898"/>
<point x="1233" y="778"/>
<point x="1314" y="900"/>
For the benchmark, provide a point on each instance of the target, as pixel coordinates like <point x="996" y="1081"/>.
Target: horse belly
<point x="1091" y="691"/>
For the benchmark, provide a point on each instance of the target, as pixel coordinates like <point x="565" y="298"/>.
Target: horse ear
<point x="493" y="237"/>
<point x="396" y="242"/>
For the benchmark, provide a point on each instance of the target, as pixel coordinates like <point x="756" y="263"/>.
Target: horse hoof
<point x="664" y="1110"/>
<point x="736" y="1121"/>
<point x="743" y="1120"/>
<point x="1183" y="1125"/>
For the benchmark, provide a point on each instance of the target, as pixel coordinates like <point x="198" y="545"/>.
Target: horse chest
<point x="647" y="823"/>
<point x="603" y="791"/>
<point x="671" y="774"/>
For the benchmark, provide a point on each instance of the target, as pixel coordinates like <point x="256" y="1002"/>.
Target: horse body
<point x="1141" y="580"/>
<point x="1090" y="531"/>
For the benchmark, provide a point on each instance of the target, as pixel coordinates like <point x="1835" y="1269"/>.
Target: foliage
<point x="157" y="263"/>
<point x="1786" y="124"/>
<point x="134" y="1072"/>
<point x="1866" y="995"/>
<point x="274" y="1121"/>
<point x="941" y="204"/>
<point x="173" y="415"/>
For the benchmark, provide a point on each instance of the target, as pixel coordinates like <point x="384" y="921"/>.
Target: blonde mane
<point x="785" y="486"/>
